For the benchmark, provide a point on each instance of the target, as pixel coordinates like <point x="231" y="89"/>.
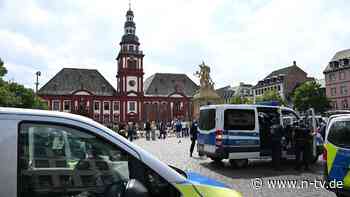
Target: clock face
<point x="132" y="83"/>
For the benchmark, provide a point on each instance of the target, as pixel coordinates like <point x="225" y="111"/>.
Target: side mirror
<point x="135" y="188"/>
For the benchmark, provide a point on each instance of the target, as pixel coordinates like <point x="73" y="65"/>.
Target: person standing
<point x="162" y="130"/>
<point x="153" y="130"/>
<point x="148" y="130"/>
<point x="178" y="128"/>
<point x="131" y="131"/>
<point x="276" y="138"/>
<point x="302" y="147"/>
<point x="193" y="133"/>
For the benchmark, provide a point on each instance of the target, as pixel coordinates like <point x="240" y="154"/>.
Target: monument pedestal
<point x="205" y="96"/>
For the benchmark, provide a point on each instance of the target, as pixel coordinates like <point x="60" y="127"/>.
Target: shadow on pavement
<point x="260" y="168"/>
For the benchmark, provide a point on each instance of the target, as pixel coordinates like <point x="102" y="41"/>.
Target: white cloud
<point x="240" y="40"/>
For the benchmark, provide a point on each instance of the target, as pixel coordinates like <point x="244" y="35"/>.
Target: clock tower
<point x="130" y="72"/>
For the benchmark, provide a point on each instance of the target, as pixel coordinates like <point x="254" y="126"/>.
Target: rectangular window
<point x="106" y="106"/>
<point x="207" y="119"/>
<point x="341" y="75"/>
<point x="67" y="105"/>
<point x="343" y="90"/>
<point x="239" y="119"/>
<point x="132" y="106"/>
<point x="115" y="106"/>
<point x="333" y="91"/>
<point x="56" y="105"/>
<point x="332" y="77"/>
<point x="97" y="105"/>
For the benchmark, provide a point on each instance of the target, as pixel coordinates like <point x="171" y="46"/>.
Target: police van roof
<point x="241" y="106"/>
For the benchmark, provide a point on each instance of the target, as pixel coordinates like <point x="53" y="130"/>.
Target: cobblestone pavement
<point x="177" y="154"/>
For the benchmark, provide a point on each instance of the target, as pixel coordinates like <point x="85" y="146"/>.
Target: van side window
<point x="239" y="119"/>
<point x="62" y="161"/>
<point x="207" y="119"/>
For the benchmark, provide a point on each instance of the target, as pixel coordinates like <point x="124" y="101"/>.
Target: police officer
<point x="302" y="146"/>
<point x="276" y="138"/>
<point x="193" y="133"/>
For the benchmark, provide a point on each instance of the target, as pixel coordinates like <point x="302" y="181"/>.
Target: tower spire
<point x="129" y="4"/>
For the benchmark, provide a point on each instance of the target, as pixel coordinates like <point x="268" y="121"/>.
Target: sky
<point x="241" y="40"/>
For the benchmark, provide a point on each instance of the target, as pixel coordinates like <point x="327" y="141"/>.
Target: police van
<point x="242" y="132"/>
<point x="46" y="153"/>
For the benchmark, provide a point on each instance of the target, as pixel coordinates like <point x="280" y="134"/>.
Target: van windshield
<point x="339" y="134"/>
<point x="239" y="119"/>
<point x="207" y="119"/>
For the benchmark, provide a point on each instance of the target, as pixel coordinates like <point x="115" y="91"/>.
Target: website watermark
<point x="259" y="183"/>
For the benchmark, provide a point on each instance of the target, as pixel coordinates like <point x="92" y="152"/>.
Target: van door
<point x="265" y="115"/>
<point x="206" y="135"/>
<point x="241" y="133"/>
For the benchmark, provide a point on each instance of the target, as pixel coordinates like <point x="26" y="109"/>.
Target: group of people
<point x="299" y="136"/>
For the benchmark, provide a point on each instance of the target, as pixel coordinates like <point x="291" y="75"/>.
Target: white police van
<point x="242" y="132"/>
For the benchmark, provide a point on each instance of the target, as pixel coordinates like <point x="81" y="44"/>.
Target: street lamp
<point x="38" y="74"/>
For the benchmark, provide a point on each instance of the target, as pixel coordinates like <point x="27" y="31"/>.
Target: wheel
<point x="239" y="163"/>
<point x="216" y="159"/>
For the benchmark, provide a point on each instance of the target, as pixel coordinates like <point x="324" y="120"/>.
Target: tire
<point x="239" y="163"/>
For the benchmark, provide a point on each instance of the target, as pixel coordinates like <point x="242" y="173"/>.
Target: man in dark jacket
<point x="131" y="131"/>
<point x="193" y="133"/>
<point x="148" y="131"/>
<point x="276" y="138"/>
<point x="303" y="139"/>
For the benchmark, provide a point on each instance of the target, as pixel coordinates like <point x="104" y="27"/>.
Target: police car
<point x="45" y="153"/>
<point x="337" y="155"/>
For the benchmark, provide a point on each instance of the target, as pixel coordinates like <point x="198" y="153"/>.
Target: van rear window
<point x="239" y="119"/>
<point x="207" y="119"/>
<point x="339" y="134"/>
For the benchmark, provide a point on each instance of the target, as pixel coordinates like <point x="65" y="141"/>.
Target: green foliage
<point x="15" y="95"/>
<point x="310" y="95"/>
<point x="3" y="70"/>
<point x="240" y="100"/>
<point x="271" y="95"/>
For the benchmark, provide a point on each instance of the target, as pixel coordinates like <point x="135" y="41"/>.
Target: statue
<point x="204" y="76"/>
<point x="206" y="94"/>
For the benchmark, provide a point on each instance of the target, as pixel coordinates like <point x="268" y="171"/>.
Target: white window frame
<point x="109" y="104"/>
<point x="129" y="104"/>
<point x="99" y="106"/>
<point x="70" y="106"/>
<point x="53" y="103"/>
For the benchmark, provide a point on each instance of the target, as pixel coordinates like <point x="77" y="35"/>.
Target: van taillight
<point x="219" y="137"/>
<point x="324" y="155"/>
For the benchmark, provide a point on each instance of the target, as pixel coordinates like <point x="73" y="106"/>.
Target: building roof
<point x="344" y="54"/>
<point x="70" y="80"/>
<point x="341" y="55"/>
<point x="164" y="84"/>
<point x="284" y="71"/>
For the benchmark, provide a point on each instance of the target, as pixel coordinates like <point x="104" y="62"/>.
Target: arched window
<point x="132" y="63"/>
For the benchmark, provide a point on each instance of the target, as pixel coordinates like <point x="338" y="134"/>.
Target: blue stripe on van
<point x="230" y="133"/>
<point x="340" y="165"/>
<point x="206" y="138"/>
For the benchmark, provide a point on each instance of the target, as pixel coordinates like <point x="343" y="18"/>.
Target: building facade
<point x="242" y="90"/>
<point x="87" y="92"/>
<point x="337" y="77"/>
<point x="284" y="81"/>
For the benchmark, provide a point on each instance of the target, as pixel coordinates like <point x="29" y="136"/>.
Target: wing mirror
<point x="135" y="188"/>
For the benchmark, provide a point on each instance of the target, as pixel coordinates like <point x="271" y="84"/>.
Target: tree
<point x="310" y="95"/>
<point x="240" y="100"/>
<point x="3" y="70"/>
<point x="271" y="95"/>
<point x="15" y="95"/>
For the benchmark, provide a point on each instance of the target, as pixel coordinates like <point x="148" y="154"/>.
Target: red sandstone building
<point x="86" y="92"/>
